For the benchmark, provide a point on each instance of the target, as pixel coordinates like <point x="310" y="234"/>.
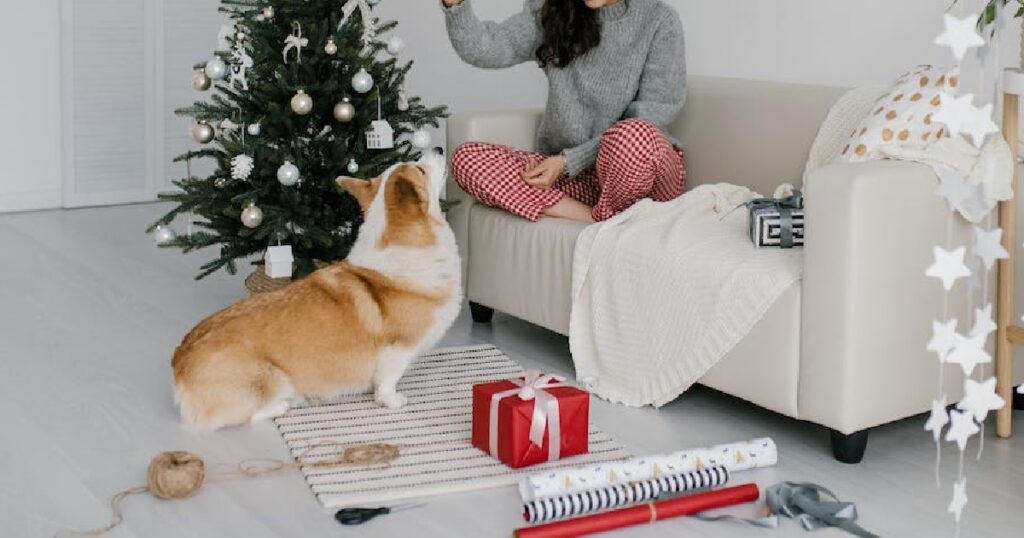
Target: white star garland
<point x="938" y="418"/>
<point x="944" y="338"/>
<point x="949" y="266"/>
<point x="988" y="245"/>
<point x="961" y="428"/>
<point x="956" y="506"/>
<point x="954" y="189"/>
<point x="970" y="352"/>
<point x="980" y="398"/>
<point x="961" y="35"/>
<point x="983" y="324"/>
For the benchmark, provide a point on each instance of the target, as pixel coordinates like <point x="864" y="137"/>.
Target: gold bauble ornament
<point x="203" y="132"/>
<point x="268" y="12"/>
<point x="302" y="104"/>
<point x="201" y="81"/>
<point x="344" y="111"/>
<point x="252" y="216"/>
<point x="331" y="48"/>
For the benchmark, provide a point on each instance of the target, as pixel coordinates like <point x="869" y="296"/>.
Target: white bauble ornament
<point x="362" y="81"/>
<point x="216" y="69"/>
<point x="288" y="174"/>
<point x="252" y="216"/>
<point x="302" y="104"/>
<point x="344" y="111"/>
<point x="203" y="132"/>
<point x="201" y="81"/>
<point x="331" y="48"/>
<point x="395" y="45"/>
<point x="353" y="166"/>
<point x="421" y="139"/>
<point x="253" y="129"/>
<point x="163" y="235"/>
<point x="268" y="12"/>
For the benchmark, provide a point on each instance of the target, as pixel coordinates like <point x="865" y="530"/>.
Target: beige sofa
<point x="844" y="348"/>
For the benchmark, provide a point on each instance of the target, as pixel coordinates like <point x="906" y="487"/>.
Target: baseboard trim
<point x="29" y="201"/>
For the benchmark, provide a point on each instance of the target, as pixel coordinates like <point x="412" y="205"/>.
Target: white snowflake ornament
<point x="949" y="266"/>
<point x="980" y="398"/>
<point x="242" y="167"/>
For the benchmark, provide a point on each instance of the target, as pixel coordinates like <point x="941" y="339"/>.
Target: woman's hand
<point x="451" y="3"/>
<point x="544" y="174"/>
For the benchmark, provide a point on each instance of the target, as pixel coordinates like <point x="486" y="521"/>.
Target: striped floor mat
<point x="432" y="431"/>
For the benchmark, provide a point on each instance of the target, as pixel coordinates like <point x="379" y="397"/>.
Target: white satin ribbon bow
<point x="545" y="411"/>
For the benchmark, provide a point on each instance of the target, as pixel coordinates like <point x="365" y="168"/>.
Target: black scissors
<point x="358" y="516"/>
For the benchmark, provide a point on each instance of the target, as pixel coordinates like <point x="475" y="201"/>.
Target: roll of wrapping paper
<point x="644" y="513"/>
<point x="599" y="500"/>
<point x="736" y="457"/>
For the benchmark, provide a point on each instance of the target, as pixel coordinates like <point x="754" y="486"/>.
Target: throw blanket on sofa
<point x="663" y="291"/>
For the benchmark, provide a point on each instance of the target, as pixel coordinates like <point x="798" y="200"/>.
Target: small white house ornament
<point x="380" y="136"/>
<point x="277" y="262"/>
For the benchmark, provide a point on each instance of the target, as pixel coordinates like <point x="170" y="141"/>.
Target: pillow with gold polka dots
<point x="903" y="117"/>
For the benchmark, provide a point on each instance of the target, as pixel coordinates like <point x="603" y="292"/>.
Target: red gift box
<point x="507" y="413"/>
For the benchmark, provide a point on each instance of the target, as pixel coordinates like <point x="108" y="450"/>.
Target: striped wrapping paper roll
<point x="598" y="500"/>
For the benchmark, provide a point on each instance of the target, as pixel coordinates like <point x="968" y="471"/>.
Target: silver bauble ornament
<point x="268" y="12"/>
<point x="288" y="174"/>
<point x="344" y="111"/>
<point x="252" y="216"/>
<point x="353" y="166"/>
<point x="216" y="69"/>
<point x="421" y="139"/>
<point x="331" y="48"/>
<point x="254" y="129"/>
<point x="201" y="81"/>
<point x="203" y="132"/>
<point x="362" y="81"/>
<point x="163" y="235"/>
<point x="395" y="45"/>
<point x="302" y="104"/>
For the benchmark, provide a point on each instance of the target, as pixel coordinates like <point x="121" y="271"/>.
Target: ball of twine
<point x="175" y="475"/>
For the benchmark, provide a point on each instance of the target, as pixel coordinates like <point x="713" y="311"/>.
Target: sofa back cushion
<point x="751" y="133"/>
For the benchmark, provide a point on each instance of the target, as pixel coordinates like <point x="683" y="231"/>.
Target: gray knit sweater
<point x="638" y="71"/>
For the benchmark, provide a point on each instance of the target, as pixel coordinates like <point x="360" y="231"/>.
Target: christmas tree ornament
<point x="252" y="216"/>
<point x="268" y="12"/>
<point x="403" y="99"/>
<point x="241" y="167"/>
<point x="201" y="81"/>
<point x="344" y="111"/>
<point x="288" y="174"/>
<point x="277" y="262"/>
<point x="395" y="45"/>
<point x="362" y="81"/>
<point x="163" y="235"/>
<point x="331" y="48"/>
<point x="295" y="41"/>
<point x="380" y="135"/>
<point x="302" y="104"/>
<point x="216" y="69"/>
<point x="203" y="132"/>
<point x="240" y="63"/>
<point x="253" y="129"/>
<point x="421" y="139"/>
<point x="221" y="182"/>
<point x="353" y="166"/>
<point x="240" y="36"/>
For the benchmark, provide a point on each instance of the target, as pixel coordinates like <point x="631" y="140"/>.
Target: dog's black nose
<point x="438" y="150"/>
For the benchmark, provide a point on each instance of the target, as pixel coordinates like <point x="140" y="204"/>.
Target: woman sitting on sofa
<point x="616" y="78"/>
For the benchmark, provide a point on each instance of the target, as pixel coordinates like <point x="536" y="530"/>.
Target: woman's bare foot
<point x="569" y="208"/>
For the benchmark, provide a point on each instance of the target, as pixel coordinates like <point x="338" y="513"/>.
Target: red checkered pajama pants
<point x="636" y="160"/>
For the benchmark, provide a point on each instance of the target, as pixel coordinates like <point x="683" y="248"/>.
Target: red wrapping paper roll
<point x="644" y="513"/>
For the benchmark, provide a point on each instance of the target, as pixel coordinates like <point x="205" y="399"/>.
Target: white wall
<point x="30" y="144"/>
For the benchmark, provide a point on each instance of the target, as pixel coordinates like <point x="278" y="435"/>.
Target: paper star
<point x="980" y="398"/>
<point x="980" y="125"/>
<point x="959" y="499"/>
<point x="988" y="245"/>
<point x="961" y="428"/>
<point x="955" y="112"/>
<point x="949" y="266"/>
<point x="983" y="324"/>
<point x="953" y="188"/>
<point x="937" y="419"/>
<point x="944" y="338"/>
<point x="960" y="35"/>
<point x="970" y="352"/>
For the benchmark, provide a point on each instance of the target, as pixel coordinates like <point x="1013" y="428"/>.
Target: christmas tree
<point x="302" y="91"/>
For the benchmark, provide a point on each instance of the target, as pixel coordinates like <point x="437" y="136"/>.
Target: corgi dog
<point x="348" y="328"/>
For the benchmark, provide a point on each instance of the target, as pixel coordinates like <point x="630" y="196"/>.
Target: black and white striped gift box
<point x="598" y="500"/>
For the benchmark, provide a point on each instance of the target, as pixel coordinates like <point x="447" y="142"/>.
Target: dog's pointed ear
<point x="362" y="190"/>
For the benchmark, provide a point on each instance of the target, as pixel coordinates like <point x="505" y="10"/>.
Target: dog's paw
<point x="392" y="400"/>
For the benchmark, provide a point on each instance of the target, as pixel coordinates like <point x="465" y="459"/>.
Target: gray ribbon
<point x="785" y="207"/>
<point x="803" y="502"/>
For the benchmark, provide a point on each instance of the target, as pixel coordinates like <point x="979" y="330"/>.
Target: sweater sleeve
<point x="581" y="157"/>
<point x="662" y="91"/>
<point x="490" y="44"/>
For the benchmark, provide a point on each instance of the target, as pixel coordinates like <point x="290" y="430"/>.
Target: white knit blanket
<point x="663" y="291"/>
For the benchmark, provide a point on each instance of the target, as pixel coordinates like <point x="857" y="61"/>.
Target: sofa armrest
<point x="516" y="129"/>
<point x="867" y="305"/>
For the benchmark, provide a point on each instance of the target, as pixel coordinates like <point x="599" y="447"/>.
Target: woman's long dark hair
<point x="569" y="29"/>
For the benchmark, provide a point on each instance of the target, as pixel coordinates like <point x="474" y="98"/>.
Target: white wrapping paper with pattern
<point x="741" y="456"/>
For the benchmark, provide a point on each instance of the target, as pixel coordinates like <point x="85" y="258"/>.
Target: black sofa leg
<point x="849" y="448"/>
<point x="480" y="313"/>
<point x="1018" y="399"/>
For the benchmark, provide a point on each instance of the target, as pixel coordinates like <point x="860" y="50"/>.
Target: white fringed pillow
<point x="904" y="116"/>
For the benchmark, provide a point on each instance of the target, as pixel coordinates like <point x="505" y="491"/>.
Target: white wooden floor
<point x="90" y="312"/>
